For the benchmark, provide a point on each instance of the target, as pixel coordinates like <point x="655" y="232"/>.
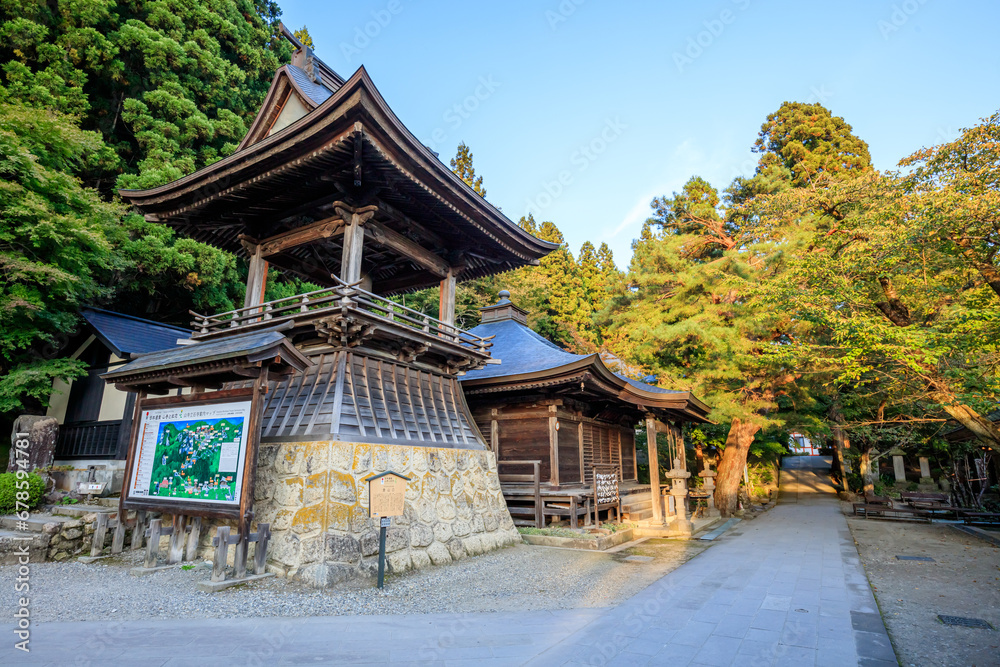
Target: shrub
<point x="9" y="490"/>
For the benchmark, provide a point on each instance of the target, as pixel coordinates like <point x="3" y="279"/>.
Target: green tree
<point x="54" y="248"/>
<point x="302" y="34"/>
<point x="171" y="86"/>
<point x="461" y="165"/>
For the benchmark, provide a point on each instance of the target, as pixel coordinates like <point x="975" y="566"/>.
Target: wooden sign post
<point x="386" y="499"/>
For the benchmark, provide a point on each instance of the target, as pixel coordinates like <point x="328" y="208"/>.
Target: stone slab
<point x="142" y="571"/>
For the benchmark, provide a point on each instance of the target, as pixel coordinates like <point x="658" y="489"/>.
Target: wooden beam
<point x="408" y="222"/>
<point x="316" y="231"/>
<point x="412" y="250"/>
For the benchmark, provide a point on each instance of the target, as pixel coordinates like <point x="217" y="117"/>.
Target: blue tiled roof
<point x="224" y="348"/>
<point x="520" y="350"/>
<point x="125" y="335"/>
<point x="316" y="92"/>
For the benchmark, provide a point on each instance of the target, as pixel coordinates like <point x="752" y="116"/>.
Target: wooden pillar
<point x="354" y="241"/>
<point x="579" y="439"/>
<point x="681" y="451"/>
<point x="495" y="433"/>
<point x="553" y="445"/>
<point x="654" y="468"/>
<point x="256" y="278"/>
<point x="446" y="309"/>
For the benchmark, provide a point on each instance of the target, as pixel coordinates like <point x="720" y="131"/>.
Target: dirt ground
<point x="963" y="580"/>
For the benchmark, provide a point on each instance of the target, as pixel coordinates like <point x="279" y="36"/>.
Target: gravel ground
<point x="521" y="577"/>
<point x="963" y="580"/>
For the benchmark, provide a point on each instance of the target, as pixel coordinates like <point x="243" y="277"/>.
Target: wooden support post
<point x="256" y="278"/>
<point x="553" y="446"/>
<point x="654" y="468"/>
<point x="574" y="522"/>
<point x="495" y="433"/>
<point x="679" y="440"/>
<point x="118" y="539"/>
<point x="354" y="241"/>
<point x="539" y="514"/>
<point x="176" y="552"/>
<point x="100" y="531"/>
<point x="221" y="543"/>
<point x="579" y="439"/>
<point x="260" y="551"/>
<point x="446" y="308"/>
<point x="193" y="538"/>
<point x="153" y="546"/>
<point x="139" y="529"/>
<point x="240" y="558"/>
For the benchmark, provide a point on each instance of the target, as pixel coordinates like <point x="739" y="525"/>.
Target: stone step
<point x="80" y="510"/>
<point x="639" y="515"/>
<point x="12" y="547"/>
<point x="34" y="523"/>
<point x="110" y="501"/>
<point x="637" y="503"/>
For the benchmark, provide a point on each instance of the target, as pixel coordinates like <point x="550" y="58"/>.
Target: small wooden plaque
<point x="386" y="494"/>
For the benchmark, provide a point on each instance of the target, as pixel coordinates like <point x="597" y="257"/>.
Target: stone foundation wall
<point x="314" y="497"/>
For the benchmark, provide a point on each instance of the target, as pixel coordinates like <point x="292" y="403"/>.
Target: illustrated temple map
<point x="193" y="453"/>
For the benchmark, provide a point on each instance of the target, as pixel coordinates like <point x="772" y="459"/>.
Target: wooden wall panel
<point x="526" y="440"/>
<point x="628" y="454"/>
<point x="569" y="452"/>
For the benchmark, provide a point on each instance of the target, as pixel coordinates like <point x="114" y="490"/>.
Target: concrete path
<point x="784" y="589"/>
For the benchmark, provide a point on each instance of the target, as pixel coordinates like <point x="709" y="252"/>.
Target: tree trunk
<point x="867" y="474"/>
<point x="840" y="443"/>
<point x="734" y="458"/>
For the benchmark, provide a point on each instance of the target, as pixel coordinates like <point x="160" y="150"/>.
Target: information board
<point x="386" y="496"/>
<point x="192" y="453"/>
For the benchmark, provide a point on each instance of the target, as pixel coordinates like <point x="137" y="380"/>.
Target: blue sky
<point x="583" y="111"/>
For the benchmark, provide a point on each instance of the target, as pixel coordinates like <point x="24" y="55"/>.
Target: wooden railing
<point x="315" y="304"/>
<point x="88" y="440"/>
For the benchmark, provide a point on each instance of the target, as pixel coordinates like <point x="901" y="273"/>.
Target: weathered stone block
<point x="288" y="492"/>
<point x="285" y="548"/>
<point x="439" y="554"/>
<point x="266" y="454"/>
<point x="315" y="458"/>
<point x="421" y="535"/>
<point x="418" y="460"/>
<point x="288" y="459"/>
<point x="399" y="459"/>
<point x="314" y="489"/>
<point x="473" y="545"/>
<point x="420" y="559"/>
<point x="362" y="459"/>
<point x="380" y="458"/>
<point x="282" y="520"/>
<point x="398" y="562"/>
<point x="341" y="456"/>
<point x="461" y="528"/>
<point x="442" y="532"/>
<point x="312" y="549"/>
<point x="456" y="549"/>
<point x="448" y="460"/>
<point x="324" y="575"/>
<point x="446" y="509"/>
<point x="338" y="516"/>
<point x="42" y="435"/>
<point x="396" y="539"/>
<point x="342" y="487"/>
<point x="342" y="549"/>
<point x="369" y="544"/>
<point x="309" y="519"/>
<point x="360" y="521"/>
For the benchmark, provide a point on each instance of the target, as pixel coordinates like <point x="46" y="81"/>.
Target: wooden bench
<point x="872" y="499"/>
<point x="551" y="506"/>
<point x="870" y="511"/>
<point x="971" y="518"/>
<point x="923" y="497"/>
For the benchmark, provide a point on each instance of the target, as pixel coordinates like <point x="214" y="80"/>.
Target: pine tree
<point x="461" y="164"/>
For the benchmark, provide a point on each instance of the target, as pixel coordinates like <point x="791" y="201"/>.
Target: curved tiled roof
<point x="520" y="350"/>
<point x="316" y="92"/>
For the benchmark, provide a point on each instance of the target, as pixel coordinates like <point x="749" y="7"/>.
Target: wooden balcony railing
<point x="315" y="305"/>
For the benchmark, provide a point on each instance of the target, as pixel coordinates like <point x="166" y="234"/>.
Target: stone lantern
<point x="709" y="486"/>
<point x="678" y="479"/>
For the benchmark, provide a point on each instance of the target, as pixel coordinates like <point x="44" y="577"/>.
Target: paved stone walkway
<point x="784" y="589"/>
